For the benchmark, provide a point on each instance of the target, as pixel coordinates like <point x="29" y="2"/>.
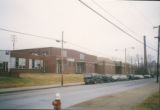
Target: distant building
<point x="105" y="65"/>
<point x="49" y="60"/>
<point x="122" y="68"/>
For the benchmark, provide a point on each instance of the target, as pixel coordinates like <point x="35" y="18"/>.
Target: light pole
<point x="13" y="40"/>
<point x="62" y="61"/>
<point x="125" y="57"/>
<point x="62" y="68"/>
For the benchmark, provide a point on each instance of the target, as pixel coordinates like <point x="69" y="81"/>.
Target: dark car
<point x="130" y="76"/>
<point x="92" y="78"/>
<point x="106" y="78"/>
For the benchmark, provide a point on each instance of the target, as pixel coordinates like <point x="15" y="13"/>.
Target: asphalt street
<point x="42" y="99"/>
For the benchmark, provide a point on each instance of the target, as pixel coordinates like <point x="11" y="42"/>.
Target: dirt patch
<point x="120" y="101"/>
<point x="151" y="103"/>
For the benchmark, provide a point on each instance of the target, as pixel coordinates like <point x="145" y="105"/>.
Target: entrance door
<point x="80" y="67"/>
<point x="58" y="66"/>
<point x="5" y="66"/>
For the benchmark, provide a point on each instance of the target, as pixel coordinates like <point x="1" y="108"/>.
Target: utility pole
<point x="62" y="61"/>
<point x="131" y="66"/>
<point x="125" y="60"/>
<point x="13" y="40"/>
<point x="158" y="52"/>
<point x="137" y="60"/>
<point x="158" y="59"/>
<point x="145" y="57"/>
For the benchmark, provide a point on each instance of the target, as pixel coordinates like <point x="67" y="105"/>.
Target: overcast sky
<point x="81" y="26"/>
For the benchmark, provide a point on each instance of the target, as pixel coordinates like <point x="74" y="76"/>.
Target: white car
<point x="115" y="77"/>
<point x="138" y="76"/>
<point x="147" y="76"/>
<point x="123" y="77"/>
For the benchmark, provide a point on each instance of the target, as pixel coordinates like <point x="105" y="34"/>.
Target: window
<point x="30" y="63"/>
<point x="34" y="53"/>
<point x="35" y="64"/>
<point x="13" y="62"/>
<point x="45" y="53"/>
<point x="81" y="56"/>
<point x="20" y="63"/>
<point x="38" y="64"/>
<point x="7" y="53"/>
<point x="17" y="62"/>
<point x="64" y="53"/>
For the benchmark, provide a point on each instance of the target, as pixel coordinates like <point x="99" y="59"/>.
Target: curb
<point x="20" y="89"/>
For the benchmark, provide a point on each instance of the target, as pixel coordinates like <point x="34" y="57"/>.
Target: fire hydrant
<point x="57" y="102"/>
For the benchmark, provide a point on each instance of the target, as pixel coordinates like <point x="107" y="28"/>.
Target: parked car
<point x="147" y="76"/>
<point x="130" y="76"/>
<point x="138" y="76"/>
<point x="123" y="77"/>
<point x="115" y="78"/>
<point x="106" y="78"/>
<point x="92" y="78"/>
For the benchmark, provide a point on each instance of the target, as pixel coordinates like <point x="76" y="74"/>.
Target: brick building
<point x="122" y="68"/>
<point x="49" y="60"/>
<point x="105" y="65"/>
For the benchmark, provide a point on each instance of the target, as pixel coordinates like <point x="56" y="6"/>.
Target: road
<point x="42" y="99"/>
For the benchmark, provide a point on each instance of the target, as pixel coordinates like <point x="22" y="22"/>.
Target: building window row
<point x="20" y="63"/>
<point x="36" y="53"/>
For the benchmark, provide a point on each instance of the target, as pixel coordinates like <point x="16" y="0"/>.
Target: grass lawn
<point x="150" y="103"/>
<point x="32" y="79"/>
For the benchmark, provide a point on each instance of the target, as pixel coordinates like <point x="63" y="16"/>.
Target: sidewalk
<point x="17" y="89"/>
<point x="126" y="100"/>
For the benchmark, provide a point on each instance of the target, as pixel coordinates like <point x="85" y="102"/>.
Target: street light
<point x="61" y="58"/>
<point x="126" y="55"/>
<point x="13" y="40"/>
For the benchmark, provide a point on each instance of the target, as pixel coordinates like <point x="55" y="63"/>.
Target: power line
<point x="43" y="37"/>
<point x="119" y="28"/>
<point x="85" y="48"/>
<point x="98" y="5"/>
<point x="112" y="16"/>
<point x="3" y="29"/>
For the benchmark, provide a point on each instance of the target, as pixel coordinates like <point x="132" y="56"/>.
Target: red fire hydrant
<point x="57" y="102"/>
